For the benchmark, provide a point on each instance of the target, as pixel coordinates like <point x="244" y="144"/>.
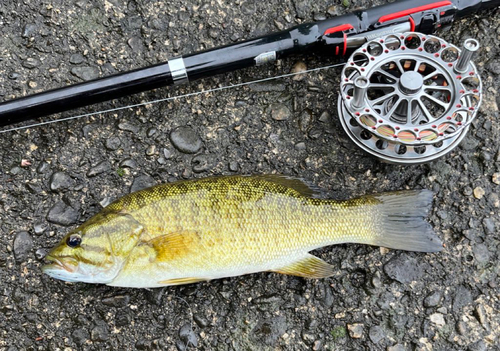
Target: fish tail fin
<point x="400" y="221"/>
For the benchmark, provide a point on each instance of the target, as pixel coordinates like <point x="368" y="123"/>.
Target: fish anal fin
<point x="308" y="267"/>
<point x="173" y="246"/>
<point x="181" y="281"/>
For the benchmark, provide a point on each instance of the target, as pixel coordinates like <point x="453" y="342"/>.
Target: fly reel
<point x="409" y="98"/>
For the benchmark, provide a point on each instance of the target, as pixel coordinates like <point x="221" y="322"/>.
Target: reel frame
<point x="409" y="98"/>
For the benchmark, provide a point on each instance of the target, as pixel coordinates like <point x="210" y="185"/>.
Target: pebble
<point x="16" y="170"/>
<point x="62" y="214"/>
<point x="31" y="63"/>
<point x="101" y="167"/>
<point x="397" y="347"/>
<point x="40" y="227"/>
<point x="299" y="67"/>
<point x="315" y="133"/>
<point x="481" y="316"/>
<point x="376" y="334"/>
<point x="300" y="146"/>
<point x="319" y="17"/>
<point x="76" y="59"/>
<point x="116" y="301"/>
<point x="318" y="345"/>
<point x="467" y="191"/>
<point x="42" y="167"/>
<point x="128" y="163"/>
<point x="279" y="112"/>
<point x="479" y="345"/>
<point x="403" y="268"/>
<point x="13" y="75"/>
<point x="495" y="178"/>
<point x="437" y="319"/>
<point x="29" y="30"/>
<point x="142" y="182"/>
<point x="481" y="253"/>
<point x="167" y="154"/>
<point x="324" y="117"/>
<point x="442" y="214"/>
<point x="151" y="132"/>
<point x="60" y="181"/>
<point x="187" y="336"/>
<point x="494" y="200"/>
<point x="201" y="163"/>
<point x="22" y="246"/>
<point x="308" y="338"/>
<point x="143" y="344"/>
<point x="234" y="166"/>
<point x="433" y="299"/>
<point x="200" y="320"/>
<point x="80" y="336"/>
<point x="355" y="330"/>
<point x="305" y="120"/>
<point x="100" y="332"/>
<point x="129" y="127"/>
<point x="40" y="254"/>
<point x="85" y="72"/>
<point x="151" y="150"/>
<point x="113" y="143"/>
<point x="186" y="140"/>
<point x="489" y="225"/>
<point x="136" y="44"/>
<point x="462" y="298"/>
<point x="479" y="193"/>
<point x="333" y="11"/>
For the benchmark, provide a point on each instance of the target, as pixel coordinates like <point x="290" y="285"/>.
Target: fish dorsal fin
<point x="297" y="184"/>
<point x="308" y="267"/>
<point x="176" y="245"/>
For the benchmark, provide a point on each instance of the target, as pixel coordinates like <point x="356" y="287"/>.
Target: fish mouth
<point x="67" y="264"/>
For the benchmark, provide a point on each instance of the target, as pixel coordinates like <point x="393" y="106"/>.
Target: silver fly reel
<point x="409" y="98"/>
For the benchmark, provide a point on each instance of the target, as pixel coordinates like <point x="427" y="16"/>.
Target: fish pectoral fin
<point x="180" y="281"/>
<point x="175" y="245"/>
<point x="308" y="267"/>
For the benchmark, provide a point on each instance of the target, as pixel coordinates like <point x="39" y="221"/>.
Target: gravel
<point x="377" y="299"/>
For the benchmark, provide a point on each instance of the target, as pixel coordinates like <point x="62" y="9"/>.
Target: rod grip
<point x="83" y="94"/>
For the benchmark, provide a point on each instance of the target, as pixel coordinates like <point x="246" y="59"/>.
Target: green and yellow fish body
<point x="212" y="228"/>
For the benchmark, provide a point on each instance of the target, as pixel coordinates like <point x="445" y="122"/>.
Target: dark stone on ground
<point x="62" y="214"/>
<point x="142" y="182"/>
<point x="23" y="244"/>
<point x="186" y="140"/>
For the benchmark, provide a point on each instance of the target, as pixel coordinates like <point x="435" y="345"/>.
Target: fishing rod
<point x="338" y="36"/>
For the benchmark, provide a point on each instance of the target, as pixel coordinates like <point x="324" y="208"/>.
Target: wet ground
<point x="54" y="177"/>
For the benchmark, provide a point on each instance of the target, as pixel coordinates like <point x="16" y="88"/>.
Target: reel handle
<point x="334" y="36"/>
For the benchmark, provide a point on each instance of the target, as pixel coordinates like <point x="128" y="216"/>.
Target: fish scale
<point x="211" y="228"/>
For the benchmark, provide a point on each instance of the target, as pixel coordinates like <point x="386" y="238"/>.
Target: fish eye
<point x="74" y="240"/>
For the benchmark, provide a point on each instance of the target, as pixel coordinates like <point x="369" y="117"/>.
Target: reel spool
<point x="409" y="98"/>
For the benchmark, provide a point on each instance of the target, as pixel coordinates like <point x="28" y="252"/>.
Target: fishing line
<point x="173" y="98"/>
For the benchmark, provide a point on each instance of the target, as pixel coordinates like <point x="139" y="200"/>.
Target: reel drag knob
<point x="409" y="98"/>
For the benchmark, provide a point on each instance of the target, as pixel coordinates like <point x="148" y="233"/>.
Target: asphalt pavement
<point x="55" y="176"/>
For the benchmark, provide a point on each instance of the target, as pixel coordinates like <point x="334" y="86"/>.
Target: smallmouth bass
<point x="198" y="230"/>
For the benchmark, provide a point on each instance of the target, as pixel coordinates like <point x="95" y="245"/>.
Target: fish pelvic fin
<point x="308" y="267"/>
<point x="181" y="281"/>
<point x="401" y="221"/>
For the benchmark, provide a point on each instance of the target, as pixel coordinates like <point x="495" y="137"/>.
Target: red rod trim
<point x="345" y="44"/>
<point x="342" y="27"/>
<point x="413" y="10"/>
<point x="412" y="24"/>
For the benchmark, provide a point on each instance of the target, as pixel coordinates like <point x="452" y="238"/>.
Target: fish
<point x="217" y="227"/>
